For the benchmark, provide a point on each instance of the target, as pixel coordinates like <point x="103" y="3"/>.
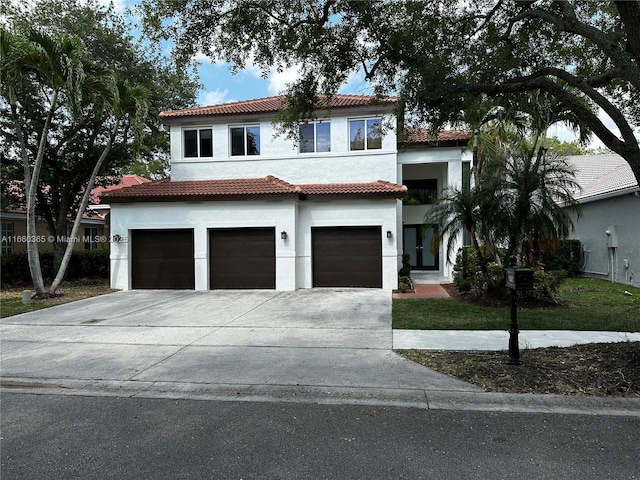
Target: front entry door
<point x="417" y="243"/>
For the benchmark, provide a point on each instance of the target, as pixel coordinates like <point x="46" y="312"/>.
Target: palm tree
<point x="459" y="210"/>
<point x="126" y="106"/>
<point x="31" y="61"/>
<point x="535" y="195"/>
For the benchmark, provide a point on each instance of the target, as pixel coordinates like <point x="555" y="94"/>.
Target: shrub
<point x="546" y="284"/>
<point x="567" y="255"/>
<point x="89" y="263"/>
<point x="405" y="284"/>
<point x="468" y="277"/>
<point x="406" y="266"/>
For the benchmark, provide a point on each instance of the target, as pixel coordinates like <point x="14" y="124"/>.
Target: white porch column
<point x="454" y="179"/>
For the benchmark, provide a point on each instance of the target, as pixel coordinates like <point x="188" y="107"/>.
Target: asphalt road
<point x="64" y="437"/>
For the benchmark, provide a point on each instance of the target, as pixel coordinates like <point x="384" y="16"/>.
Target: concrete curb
<point x="328" y="395"/>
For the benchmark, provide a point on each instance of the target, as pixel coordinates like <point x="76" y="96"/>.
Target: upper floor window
<point x="7" y="238"/>
<point x="365" y="134"/>
<point x="315" y="137"/>
<point x="245" y="140"/>
<point x="198" y="143"/>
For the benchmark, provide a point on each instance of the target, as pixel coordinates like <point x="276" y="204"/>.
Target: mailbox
<point x="519" y="278"/>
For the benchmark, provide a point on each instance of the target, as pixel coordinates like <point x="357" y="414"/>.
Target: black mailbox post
<point x="516" y="278"/>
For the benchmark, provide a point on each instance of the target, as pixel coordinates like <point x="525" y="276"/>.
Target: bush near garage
<point x="89" y="263"/>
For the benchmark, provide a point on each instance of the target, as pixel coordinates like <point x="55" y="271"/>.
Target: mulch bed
<point x="599" y="369"/>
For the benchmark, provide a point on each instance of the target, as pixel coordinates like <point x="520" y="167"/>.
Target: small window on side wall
<point x="315" y="137"/>
<point x="198" y="143"/>
<point x="7" y="238"/>
<point x="365" y="134"/>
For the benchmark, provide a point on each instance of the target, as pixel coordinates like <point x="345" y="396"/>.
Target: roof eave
<point x="198" y="198"/>
<point x="607" y="195"/>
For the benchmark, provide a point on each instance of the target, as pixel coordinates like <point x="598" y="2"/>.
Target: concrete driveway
<point x="316" y="345"/>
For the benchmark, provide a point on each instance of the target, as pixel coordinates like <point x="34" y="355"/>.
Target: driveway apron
<point x="140" y="342"/>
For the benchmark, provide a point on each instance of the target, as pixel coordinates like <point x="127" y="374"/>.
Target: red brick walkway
<point x="425" y="290"/>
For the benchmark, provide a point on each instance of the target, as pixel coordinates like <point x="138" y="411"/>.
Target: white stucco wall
<point x="339" y="213"/>
<point x="279" y="156"/>
<point x="201" y="216"/>
<point x="293" y="255"/>
<point x="621" y="213"/>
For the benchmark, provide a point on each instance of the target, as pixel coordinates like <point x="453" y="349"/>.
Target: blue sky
<point x="220" y="86"/>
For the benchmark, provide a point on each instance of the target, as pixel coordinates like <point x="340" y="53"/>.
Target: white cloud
<point x="278" y="80"/>
<point x="214" y="97"/>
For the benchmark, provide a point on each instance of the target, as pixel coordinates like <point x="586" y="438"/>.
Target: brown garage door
<point x="162" y="259"/>
<point x="242" y="258"/>
<point x="347" y="257"/>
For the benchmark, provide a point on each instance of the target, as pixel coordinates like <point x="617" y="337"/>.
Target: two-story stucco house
<point x="245" y="208"/>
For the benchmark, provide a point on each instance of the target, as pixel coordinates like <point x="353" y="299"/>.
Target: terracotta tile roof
<point x="379" y="187"/>
<point x="125" y="181"/>
<point x="269" y="105"/>
<point x="420" y="136"/>
<point x="166" y="190"/>
<point x="601" y="175"/>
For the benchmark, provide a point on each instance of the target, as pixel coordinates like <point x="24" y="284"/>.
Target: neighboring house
<point x="609" y="223"/>
<point x="14" y="232"/>
<point x="247" y="209"/>
<point x="94" y="229"/>
<point x="97" y="206"/>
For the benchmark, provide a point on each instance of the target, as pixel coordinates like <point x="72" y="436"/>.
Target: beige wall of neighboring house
<point x="94" y="229"/>
<point x="14" y="235"/>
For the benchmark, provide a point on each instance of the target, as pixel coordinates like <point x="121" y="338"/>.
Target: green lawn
<point x="591" y="304"/>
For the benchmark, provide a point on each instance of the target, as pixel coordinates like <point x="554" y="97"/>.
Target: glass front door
<point x="417" y="243"/>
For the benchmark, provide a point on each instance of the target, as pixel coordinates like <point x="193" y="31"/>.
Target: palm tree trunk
<point x="83" y="205"/>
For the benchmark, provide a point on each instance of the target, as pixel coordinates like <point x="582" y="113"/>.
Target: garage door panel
<point x="242" y="258"/>
<point x="162" y="259"/>
<point x="347" y="257"/>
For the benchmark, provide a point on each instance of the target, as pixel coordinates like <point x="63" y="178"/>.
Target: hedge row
<point x="89" y="263"/>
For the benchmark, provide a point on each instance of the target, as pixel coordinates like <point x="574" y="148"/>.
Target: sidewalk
<point x="492" y="340"/>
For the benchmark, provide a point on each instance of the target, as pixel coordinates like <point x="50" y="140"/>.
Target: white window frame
<point x="366" y="136"/>
<point x="198" y="131"/>
<point x="246" y="140"/>
<point x="315" y="136"/>
<point x="7" y="238"/>
<point x="91" y="238"/>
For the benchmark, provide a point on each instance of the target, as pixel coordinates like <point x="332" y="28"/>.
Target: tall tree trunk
<point x="83" y="205"/>
<point x="31" y="187"/>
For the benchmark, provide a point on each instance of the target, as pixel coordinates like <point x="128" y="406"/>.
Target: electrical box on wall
<point x="612" y="236"/>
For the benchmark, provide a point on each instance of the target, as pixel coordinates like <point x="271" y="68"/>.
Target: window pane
<point x="253" y="140"/>
<point x="90" y="238"/>
<point x="190" y="143"/>
<point x="323" y="137"/>
<point x="7" y="233"/>
<point x="374" y="134"/>
<point x="307" y="140"/>
<point x="206" y="143"/>
<point x="237" y="141"/>
<point x="356" y="134"/>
